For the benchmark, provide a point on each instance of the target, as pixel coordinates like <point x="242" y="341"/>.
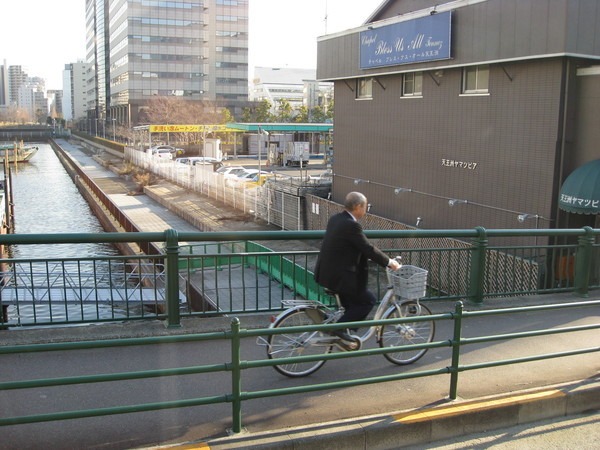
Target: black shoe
<point x="347" y="342"/>
<point x="342" y="334"/>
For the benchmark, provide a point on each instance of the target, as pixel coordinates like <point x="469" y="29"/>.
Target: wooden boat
<point x="15" y="153"/>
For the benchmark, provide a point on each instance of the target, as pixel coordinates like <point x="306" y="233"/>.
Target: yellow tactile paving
<point x="421" y="416"/>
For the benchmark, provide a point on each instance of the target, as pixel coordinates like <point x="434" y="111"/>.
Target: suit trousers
<point x="357" y="305"/>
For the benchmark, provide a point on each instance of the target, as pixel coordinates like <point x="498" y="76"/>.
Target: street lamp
<point x="114" y="121"/>
<point x="455" y="201"/>
<point x="261" y="133"/>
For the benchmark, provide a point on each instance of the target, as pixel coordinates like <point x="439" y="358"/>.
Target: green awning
<point x="580" y="193"/>
<point x="273" y="127"/>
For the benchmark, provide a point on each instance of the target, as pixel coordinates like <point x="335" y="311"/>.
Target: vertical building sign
<point x="422" y="39"/>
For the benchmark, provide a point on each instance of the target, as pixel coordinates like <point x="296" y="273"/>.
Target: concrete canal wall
<point x="107" y="220"/>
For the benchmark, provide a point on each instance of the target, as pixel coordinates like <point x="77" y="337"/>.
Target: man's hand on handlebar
<point x="394" y="264"/>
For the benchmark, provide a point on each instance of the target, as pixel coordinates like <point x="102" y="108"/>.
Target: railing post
<point x="172" y="278"/>
<point x="583" y="262"/>
<point x="236" y="377"/>
<point x="477" y="272"/>
<point x="458" y="313"/>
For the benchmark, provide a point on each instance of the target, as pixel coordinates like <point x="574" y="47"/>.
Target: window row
<point x="475" y="80"/>
<point x="230" y="65"/>
<point x="167" y="39"/>
<point x="167" y="4"/>
<point x="231" y="80"/>
<point x="170" y="22"/>
<point x="166" y="92"/>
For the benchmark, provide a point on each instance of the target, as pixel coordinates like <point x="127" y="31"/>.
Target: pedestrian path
<point x="148" y="215"/>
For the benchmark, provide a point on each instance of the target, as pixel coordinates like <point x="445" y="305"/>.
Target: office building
<point x="188" y="49"/>
<point x="298" y="87"/>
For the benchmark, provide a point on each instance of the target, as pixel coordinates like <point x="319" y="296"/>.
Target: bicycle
<point x="408" y="283"/>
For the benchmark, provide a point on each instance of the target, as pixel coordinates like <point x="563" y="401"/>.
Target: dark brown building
<point x="486" y="105"/>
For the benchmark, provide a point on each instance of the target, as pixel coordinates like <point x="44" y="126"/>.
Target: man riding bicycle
<point x="342" y="263"/>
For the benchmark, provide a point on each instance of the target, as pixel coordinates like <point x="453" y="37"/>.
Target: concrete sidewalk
<point x="427" y="425"/>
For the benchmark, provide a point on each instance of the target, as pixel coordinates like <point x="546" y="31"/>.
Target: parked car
<point x="194" y="160"/>
<point x="230" y="171"/>
<point x="162" y="153"/>
<point x="259" y="179"/>
<point x="162" y="150"/>
<point x="241" y="177"/>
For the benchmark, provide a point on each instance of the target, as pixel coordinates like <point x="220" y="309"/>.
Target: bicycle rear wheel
<point x="297" y="344"/>
<point x="407" y="333"/>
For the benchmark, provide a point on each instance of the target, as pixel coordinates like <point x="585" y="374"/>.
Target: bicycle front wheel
<point x="298" y="344"/>
<point x="407" y="333"/>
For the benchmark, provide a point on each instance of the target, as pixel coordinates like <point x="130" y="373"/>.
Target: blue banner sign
<point x="422" y="39"/>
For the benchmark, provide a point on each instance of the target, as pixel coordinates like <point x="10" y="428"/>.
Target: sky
<point x="43" y="35"/>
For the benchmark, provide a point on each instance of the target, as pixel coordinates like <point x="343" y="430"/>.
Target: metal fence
<point x="81" y="290"/>
<point x="267" y="202"/>
<point x="548" y="264"/>
<point x="230" y="273"/>
<point x="237" y="366"/>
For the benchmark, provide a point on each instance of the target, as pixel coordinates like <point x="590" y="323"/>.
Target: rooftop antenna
<point x="325" y="19"/>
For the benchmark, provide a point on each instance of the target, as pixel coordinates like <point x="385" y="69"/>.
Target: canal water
<point x="47" y="201"/>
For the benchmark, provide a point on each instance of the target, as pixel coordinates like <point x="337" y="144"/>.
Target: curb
<point x="422" y="426"/>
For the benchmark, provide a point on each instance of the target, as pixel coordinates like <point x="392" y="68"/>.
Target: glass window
<point x="364" y="88"/>
<point x="412" y="84"/>
<point x="476" y="79"/>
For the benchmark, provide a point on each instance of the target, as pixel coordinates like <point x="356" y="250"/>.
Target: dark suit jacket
<point x="345" y="251"/>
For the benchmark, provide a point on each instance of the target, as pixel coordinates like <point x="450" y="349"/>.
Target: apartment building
<point x="75" y="91"/>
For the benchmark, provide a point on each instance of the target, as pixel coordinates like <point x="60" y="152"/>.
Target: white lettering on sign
<point x="584" y="202"/>
<point x="459" y="164"/>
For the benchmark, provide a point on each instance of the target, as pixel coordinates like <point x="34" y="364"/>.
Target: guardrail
<point x="237" y="366"/>
<point x="244" y="278"/>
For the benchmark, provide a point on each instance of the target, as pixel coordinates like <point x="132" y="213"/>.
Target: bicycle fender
<point x="308" y="308"/>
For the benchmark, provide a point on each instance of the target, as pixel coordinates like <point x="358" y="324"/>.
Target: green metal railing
<point x="237" y="365"/>
<point x="229" y="273"/>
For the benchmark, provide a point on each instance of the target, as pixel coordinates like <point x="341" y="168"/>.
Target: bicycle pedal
<point x="349" y="345"/>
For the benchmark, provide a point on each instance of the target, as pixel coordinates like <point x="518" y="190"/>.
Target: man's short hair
<point x="354" y="199"/>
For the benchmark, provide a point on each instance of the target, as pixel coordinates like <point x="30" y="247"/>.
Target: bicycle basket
<point x="409" y="282"/>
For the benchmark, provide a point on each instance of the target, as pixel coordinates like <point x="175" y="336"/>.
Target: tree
<point x="226" y="116"/>
<point x="247" y="115"/>
<point x="318" y="115"/>
<point x="263" y="112"/>
<point x="302" y="116"/>
<point x="284" y="112"/>
<point x="167" y="110"/>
